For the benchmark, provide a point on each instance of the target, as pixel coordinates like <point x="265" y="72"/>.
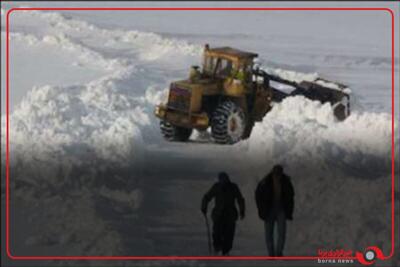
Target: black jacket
<point x="265" y="196"/>
<point x="225" y="195"/>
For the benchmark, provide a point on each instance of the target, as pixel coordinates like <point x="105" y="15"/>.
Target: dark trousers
<point x="276" y="217"/>
<point x="223" y="232"/>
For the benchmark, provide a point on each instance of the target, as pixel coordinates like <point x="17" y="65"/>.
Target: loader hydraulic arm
<point x="275" y="78"/>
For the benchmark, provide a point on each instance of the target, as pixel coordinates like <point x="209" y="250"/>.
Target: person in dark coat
<point x="224" y="215"/>
<point x="275" y="203"/>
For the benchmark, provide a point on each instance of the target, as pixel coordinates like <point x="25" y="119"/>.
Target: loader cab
<point x="217" y="67"/>
<point x="227" y="62"/>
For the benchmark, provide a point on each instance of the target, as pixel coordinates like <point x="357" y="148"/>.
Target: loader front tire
<point x="174" y="133"/>
<point x="341" y="109"/>
<point x="228" y="123"/>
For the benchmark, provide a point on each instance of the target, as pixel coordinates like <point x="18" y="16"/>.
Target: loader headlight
<point x="202" y="121"/>
<point x="159" y="111"/>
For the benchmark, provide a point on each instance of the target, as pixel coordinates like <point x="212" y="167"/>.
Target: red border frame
<point x="358" y="254"/>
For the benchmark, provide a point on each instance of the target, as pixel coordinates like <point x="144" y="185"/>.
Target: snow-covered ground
<point x="91" y="175"/>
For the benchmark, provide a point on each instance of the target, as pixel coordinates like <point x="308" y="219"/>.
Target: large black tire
<point x="174" y="133"/>
<point x="341" y="109"/>
<point x="228" y="123"/>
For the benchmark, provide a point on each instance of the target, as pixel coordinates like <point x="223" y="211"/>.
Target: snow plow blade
<point x="337" y="94"/>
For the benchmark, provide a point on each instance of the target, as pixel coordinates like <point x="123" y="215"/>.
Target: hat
<point x="223" y="177"/>
<point x="277" y="168"/>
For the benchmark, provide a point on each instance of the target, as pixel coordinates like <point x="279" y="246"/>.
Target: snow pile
<point x="299" y="131"/>
<point x="93" y="117"/>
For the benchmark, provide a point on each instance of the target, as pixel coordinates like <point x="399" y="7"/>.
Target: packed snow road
<point x="91" y="174"/>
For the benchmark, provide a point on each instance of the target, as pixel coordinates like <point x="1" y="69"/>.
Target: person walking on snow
<point x="275" y="202"/>
<point x="224" y="215"/>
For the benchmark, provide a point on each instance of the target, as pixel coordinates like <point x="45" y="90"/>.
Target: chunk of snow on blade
<point x="292" y="75"/>
<point x="333" y="85"/>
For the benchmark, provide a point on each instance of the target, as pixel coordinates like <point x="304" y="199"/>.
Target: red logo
<point x="334" y="253"/>
<point x="370" y="255"/>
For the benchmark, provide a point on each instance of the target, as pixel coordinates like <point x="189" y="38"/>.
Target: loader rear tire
<point x="228" y="123"/>
<point x="174" y="133"/>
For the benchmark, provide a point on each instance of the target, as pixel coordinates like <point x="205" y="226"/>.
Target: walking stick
<point x="208" y="234"/>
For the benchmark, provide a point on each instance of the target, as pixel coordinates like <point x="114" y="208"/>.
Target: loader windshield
<point x="224" y="68"/>
<point x="219" y="67"/>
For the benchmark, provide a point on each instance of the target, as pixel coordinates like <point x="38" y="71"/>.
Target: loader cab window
<point x="224" y="68"/>
<point x="219" y="67"/>
<point x="249" y="68"/>
<point x="209" y="65"/>
<point x="246" y="71"/>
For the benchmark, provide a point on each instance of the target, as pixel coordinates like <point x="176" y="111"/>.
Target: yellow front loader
<point x="229" y="95"/>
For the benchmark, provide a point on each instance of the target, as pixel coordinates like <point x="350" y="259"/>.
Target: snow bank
<point x="94" y="116"/>
<point x="299" y="131"/>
